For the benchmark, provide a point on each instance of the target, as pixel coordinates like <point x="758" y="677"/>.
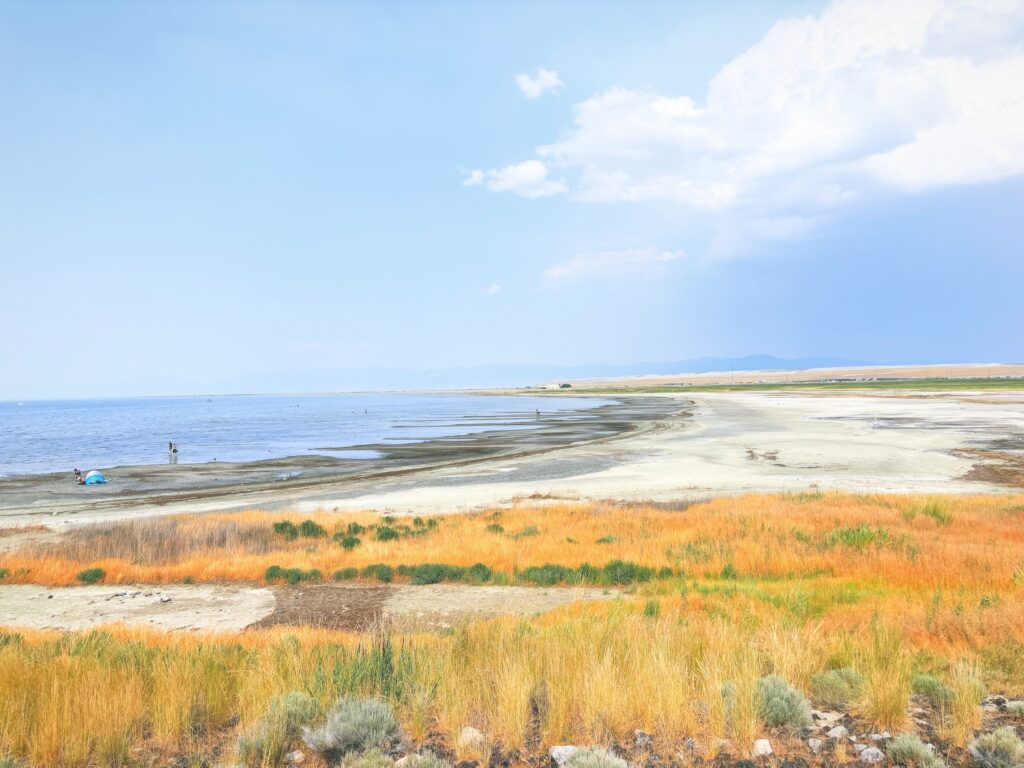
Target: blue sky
<point x="195" y="192"/>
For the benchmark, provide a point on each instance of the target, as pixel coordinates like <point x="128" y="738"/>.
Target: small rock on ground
<point x="839" y="732"/>
<point x="762" y="747"/>
<point x="562" y="753"/>
<point x="872" y="755"/>
<point x="815" y="745"/>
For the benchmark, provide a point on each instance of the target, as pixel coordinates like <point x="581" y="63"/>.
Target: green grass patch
<point x="276" y="574"/>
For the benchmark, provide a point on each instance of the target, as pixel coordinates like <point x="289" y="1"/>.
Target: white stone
<point x="562" y="753"/>
<point x="872" y="755"/>
<point x="815" y="745"/>
<point x="839" y="732"/>
<point x="295" y="758"/>
<point x="762" y="747"/>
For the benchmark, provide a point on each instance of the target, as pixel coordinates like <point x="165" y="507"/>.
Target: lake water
<point x="55" y="436"/>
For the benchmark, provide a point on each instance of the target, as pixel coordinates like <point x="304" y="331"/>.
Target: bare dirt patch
<point x="997" y="467"/>
<point x="358" y="607"/>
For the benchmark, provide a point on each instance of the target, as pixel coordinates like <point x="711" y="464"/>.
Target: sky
<point x="193" y="193"/>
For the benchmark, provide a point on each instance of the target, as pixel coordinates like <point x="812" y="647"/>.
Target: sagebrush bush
<point x="353" y="725"/>
<point x="430" y="760"/>
<point x="1016" y="708"/>
<point x="781" y="704"/>
<point x="372" y="758"/>
<point x="1001" y="748"/>
<point x="268" y="740"/>
<point x="345" y="574"/>
<point x="8" y="762"/>
<point x="310" y="529"/>
<point x="908" y="750"/>
<point x="594" y="757"/>
<point x="837" y="687"/>
<point x="91" y="575"/>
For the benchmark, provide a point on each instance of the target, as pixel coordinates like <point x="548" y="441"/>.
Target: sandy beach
<point x="649" y="447"/>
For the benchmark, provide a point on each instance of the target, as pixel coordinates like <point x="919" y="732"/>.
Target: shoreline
<point x="153" y="489"/>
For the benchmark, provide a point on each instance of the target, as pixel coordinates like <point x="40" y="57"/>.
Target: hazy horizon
<point x="202" y="194"/>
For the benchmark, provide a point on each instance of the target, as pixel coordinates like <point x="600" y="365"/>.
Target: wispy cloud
<point x="534" y="87"/>
<point x="629" y="261"/>
<point x="493" y="289"/>
<point x="870" y="95"/>
<point x="527" y="179"/>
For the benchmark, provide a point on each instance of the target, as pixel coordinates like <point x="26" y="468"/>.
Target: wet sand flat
<point x="654" y="447"/>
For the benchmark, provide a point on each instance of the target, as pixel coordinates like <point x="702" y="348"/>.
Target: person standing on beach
<point x="174" y="454"/>
<point x="170" y="452"/>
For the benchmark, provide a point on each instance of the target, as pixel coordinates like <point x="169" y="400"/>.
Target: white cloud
<point x="528" y="179"/>
<point x="473" y="178"/>
<point x="636" y="260"/>
<point x="821" y="111"/>
<point x="534" y="87"/>
<point x="493" y="289"/>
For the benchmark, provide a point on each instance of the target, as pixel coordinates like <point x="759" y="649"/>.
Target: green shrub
<point x="780" y="704"/>
<point x="310" y="529"/>
<point x="379" y="571"/>
<point x="594" y="757"/>
<point x="372" y="758"/>
<point x="729" y="571"/>
<point x="546" y="575"/>
<point x="353" y="725"/>
<point x="1001" y="748"/>
<point x="91" y="575"/>
<point x="345" y="574"/>
<point x="665" y="572"/>
<point x="276" y="573"/>
<point x="624" y="572"/>
<point x="652" y="609"/>
<point x="1016" y="708"/>
<point x="496" y="528"/>
<point x="8" y="762"/>
<point x="908" y="750"/>
<point x="607" y="540"/>
<point x="527" y="532"/>
<point x="355" y="529"/>
<point x="434" y="573"/>
<point x="347" y="542"/>
<point x="837" y="687"/>
<point x="268" y="740"/>
<point x="287" y="529"/>
<point x="385" y="533"/>
<point x="478" y="573"/>
<point x="4" y="573"/>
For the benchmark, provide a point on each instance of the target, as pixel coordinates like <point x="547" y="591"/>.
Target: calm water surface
<point x="59" y="435"/>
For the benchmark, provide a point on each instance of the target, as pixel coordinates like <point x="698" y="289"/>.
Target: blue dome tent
<point x="94" y="478"/>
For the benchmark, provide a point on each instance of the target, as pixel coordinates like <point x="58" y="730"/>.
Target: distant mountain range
<point x="503" y="374"/>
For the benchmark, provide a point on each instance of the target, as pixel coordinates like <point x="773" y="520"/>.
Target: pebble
<point x="815" y="745"/>
<point x="839" y="732"/>
<point x="762" y="747"/>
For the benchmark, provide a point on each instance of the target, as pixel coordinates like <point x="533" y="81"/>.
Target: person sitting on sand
<point x="79" y="480"/>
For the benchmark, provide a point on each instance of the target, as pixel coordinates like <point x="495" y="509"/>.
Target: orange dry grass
<point x="765" y="536"/>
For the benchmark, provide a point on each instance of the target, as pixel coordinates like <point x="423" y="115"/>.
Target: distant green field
<point x="913" y="385"/>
